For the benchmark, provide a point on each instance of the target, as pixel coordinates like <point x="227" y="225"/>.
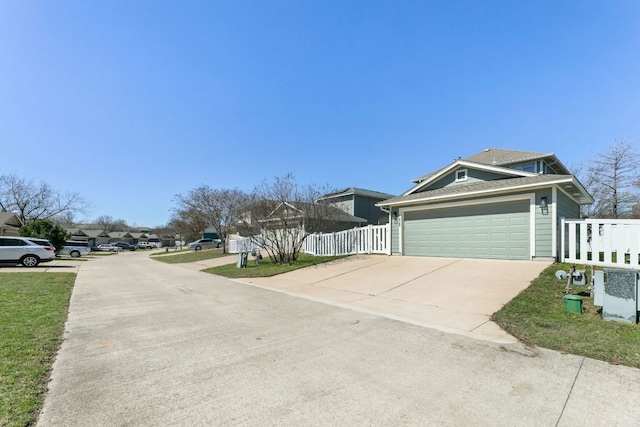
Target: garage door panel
<point x="481" y="223"/>
<point x="481" y="237"/>
<point x="500" y="222"/>
<point x="500" y="237"/>
<point x="482" y="231"/>
<point x="519" y="237"/>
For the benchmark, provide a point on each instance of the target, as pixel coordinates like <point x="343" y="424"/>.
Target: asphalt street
<point x="151" y="344"/>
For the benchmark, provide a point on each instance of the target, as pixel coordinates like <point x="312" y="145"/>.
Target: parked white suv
<point x="21" y="250"/>
<point x="147" y="245"/>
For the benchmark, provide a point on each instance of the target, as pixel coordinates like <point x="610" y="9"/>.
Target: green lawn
<point x="189" y="256"/>
<point x="266" y="268"/>
<point x="33" y="310"/>
<point x="537" y="317"/>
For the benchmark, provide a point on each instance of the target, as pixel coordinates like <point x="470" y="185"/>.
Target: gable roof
<point x="120" y="234"/>
<point x="309" y="209"/>
<point x="498" y="157"/>
<point x="433" y="177"/>
<point x="89" y="232"/>
<point x="9" y="219"/>
<point x="502" y="157"/>
<point x="568" y="183"/>
<point x="355" y="191"/>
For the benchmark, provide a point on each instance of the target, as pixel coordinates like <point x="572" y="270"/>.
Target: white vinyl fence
<point x="601" y="242"/>
<point x="371" y="239"/>
<point x="242" y="244"/>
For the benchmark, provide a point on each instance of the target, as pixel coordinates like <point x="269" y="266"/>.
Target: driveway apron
<point x="149" y="344"/>
<point x="451" y="294"/>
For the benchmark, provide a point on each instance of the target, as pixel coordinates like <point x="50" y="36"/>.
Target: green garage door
<point x="497" y="231"/>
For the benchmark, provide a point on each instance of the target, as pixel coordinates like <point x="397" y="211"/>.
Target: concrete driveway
<point x="152" y="344"/>
<point x="450" y="294"/>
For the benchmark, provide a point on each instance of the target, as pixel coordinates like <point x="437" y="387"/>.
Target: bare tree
<point x="217" y="208"/>
<point x="612" y="178"/>
<point x="282" y="214"/>
<point x="187" y="222"/>
<point x="108" y="223"/>
<point x="31" y="201"/>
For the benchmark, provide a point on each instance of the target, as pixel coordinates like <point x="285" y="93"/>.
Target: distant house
<point x="311" y="217"/>
<point x="360" y="203"/>
<point x="500" y="204"/>
<point x="97" y="236"/>
<point x="210" y="233"/>
<point x="93" y="236"/>
<point x="9" y="224"/>
<point x="120" y="236"/>
<point x="305" y="217"/>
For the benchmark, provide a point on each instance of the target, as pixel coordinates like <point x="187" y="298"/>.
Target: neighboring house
<point x="93" y="236"/>
<point x="97" y="236"/>
<point x="305" y="217"/>
<point x="500" y="204"/>
<point x="210" y="233"/>
<point x="120" y="236"/>
<point x="312" y="217"/>
<point x="9" y="224"/>
<point x="138" y="236"/>
<point x="360" y="203"/>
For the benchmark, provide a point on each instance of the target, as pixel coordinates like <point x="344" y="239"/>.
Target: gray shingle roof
<point x="482" y="187"/>
<point x="502" y="158"/>
<point x="358" y="192"/>
<point x="498" y="156"/>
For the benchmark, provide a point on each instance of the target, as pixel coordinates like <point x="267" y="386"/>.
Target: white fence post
<point x="601" y="242"/>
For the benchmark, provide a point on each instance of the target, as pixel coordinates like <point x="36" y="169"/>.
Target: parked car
<point x="198" y="245"/>
<point x="41" y="242"/>
<point x="147" y="245"/>
<point x="126" y="246"/>
<point x="21" y="250"/>
<point x="75" y="249"/>
<point x="107" y="247"/>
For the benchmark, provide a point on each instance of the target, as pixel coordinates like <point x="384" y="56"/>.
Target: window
<point x="13" y="242"/>
<point x="529" y="167"/>
<point x="76" y="243"/>
<point x="461" y="175"/>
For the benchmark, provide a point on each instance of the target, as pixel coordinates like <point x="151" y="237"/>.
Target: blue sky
<point x="131" y="102"/>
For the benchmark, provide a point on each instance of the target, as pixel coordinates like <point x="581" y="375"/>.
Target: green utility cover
<point x="573" y="303"/>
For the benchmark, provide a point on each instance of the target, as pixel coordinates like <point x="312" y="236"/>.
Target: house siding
<point x="345" y="203"/>
<point x="366" y="208"/>
<point x="473" y="175"/>
<point x="395" y="234"/>
<point x="544" y="225"/>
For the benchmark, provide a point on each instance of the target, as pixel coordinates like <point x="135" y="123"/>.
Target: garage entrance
<point x="492" y="231"/>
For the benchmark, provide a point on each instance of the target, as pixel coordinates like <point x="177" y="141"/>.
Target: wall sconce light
<point x="395" y="214"/>
<point x="543" y="203"/>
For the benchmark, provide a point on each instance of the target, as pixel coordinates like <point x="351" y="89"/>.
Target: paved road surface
<point x="150" y="344"/>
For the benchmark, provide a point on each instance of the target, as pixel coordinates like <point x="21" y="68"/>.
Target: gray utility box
<point x="616" y="290"/>
<point x="242" y="260"/>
